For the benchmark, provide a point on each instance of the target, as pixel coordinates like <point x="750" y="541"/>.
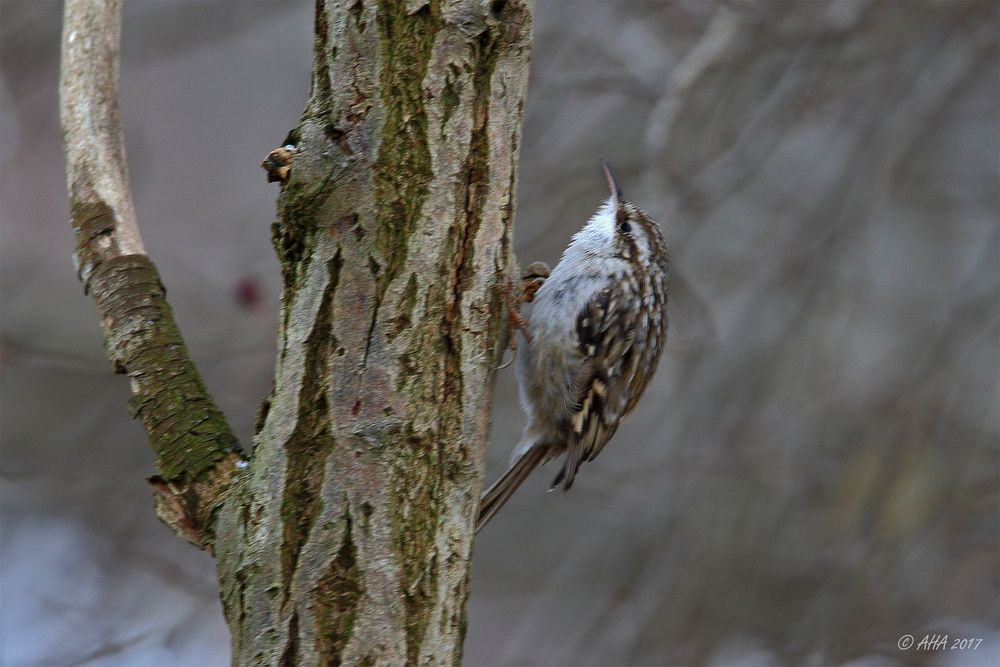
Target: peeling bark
<point x="351" y="541"/>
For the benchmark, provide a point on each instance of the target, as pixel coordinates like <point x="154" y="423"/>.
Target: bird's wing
<point x="608" y="381"/>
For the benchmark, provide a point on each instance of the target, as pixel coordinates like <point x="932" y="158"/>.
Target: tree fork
<point x="347" y="538"/>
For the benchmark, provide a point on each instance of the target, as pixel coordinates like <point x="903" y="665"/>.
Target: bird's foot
<point x="518" y="322"/>
<point x="532" y="280"/>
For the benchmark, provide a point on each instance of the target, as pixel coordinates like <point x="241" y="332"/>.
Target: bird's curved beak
<point x="616" y="191"/>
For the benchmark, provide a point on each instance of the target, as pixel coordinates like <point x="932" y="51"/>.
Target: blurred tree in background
<point x="813" y="472"/>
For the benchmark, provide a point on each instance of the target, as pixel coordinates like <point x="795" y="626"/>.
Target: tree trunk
<point x="348" y="539"/>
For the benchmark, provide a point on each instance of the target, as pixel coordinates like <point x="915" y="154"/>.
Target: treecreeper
<point x="594" y="338"/>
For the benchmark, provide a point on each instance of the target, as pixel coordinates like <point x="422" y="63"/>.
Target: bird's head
<point x="621" y="229"/>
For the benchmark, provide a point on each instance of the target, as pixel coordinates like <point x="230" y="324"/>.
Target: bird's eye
<point x="625" y="227"/>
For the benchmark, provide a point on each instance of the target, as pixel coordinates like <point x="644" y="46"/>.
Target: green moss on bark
<point x="463" y="232"/>
<point x="337" y="597"/>
<point x="402" y="170"/>
<point x="416" y="513"/>
<point x="188" y="433"/>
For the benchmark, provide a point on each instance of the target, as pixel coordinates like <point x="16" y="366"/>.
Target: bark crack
<point x="312" y="440"/>
<point x="337" y="597"/>
<point x="402" y="171"/>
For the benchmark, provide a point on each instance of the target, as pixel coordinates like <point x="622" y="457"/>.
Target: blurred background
<point x="813" y="471"/>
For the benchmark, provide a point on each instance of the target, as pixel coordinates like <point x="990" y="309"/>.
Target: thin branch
<point x="196" y="452"/>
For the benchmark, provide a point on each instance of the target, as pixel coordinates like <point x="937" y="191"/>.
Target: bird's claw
<point x="517" y="320"/>
<point x="507" y="363"/>
<point x="532" y="280"/>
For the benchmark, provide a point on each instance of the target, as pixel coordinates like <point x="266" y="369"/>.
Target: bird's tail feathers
<point x="569" y="469"/>
<point x="502" y="489"/>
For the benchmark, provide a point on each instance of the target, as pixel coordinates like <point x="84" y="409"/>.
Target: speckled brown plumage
<point x="597" y="330"/>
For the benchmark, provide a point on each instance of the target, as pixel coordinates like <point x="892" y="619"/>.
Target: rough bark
<point x="351" y="541"/>
<point x="196" y="452"/>
<point x="347" y="538"/>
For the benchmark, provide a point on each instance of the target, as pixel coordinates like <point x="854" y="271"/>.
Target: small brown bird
<point x="596" y="331"/>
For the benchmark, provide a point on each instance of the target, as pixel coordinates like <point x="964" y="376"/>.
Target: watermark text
<point x="936" y="642"/>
